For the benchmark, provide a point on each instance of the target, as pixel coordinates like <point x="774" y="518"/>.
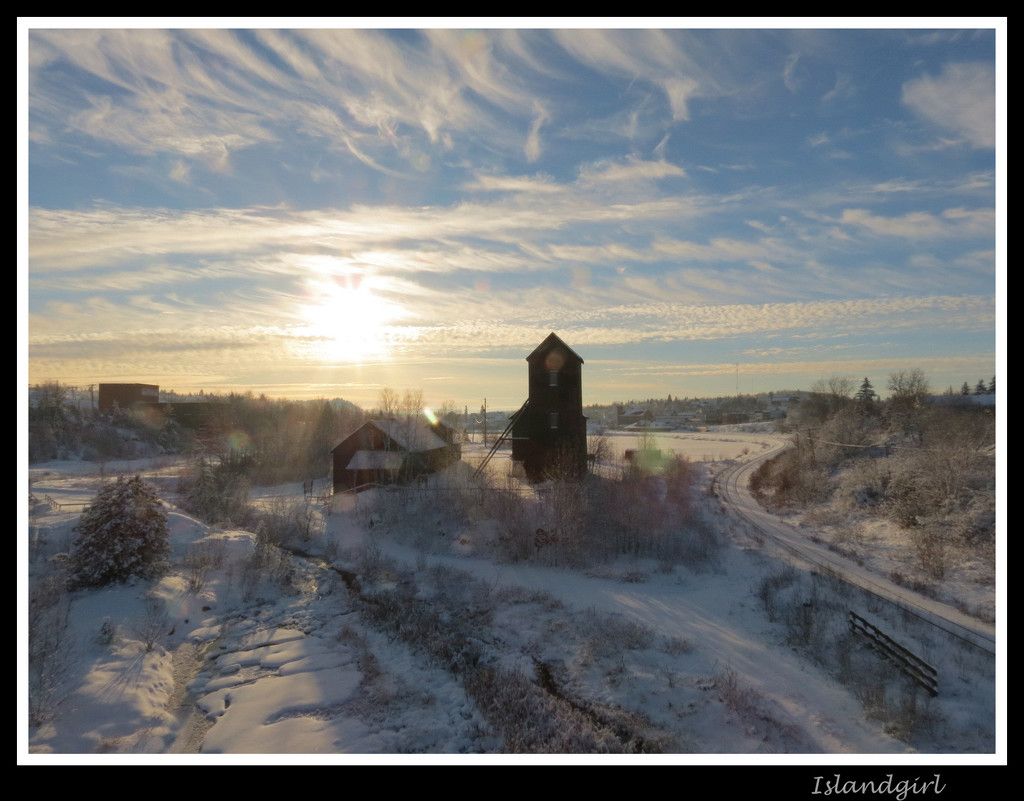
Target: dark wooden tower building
<point x="549" y="434"/>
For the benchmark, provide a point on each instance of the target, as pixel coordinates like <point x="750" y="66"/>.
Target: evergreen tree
<point x="980" y="388"/>
<point x="122" y="533"/>
<point x="965" y="389"/>
<point x="866" y="393"/>
<point x="992" y="386"/>
<point x="216" y="493"/>
<point x="865" y="397"/>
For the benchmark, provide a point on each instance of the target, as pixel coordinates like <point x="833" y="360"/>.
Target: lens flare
<point x="238" y="440"/>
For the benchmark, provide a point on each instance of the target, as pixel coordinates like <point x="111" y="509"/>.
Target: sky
<point x="311" y="210"/>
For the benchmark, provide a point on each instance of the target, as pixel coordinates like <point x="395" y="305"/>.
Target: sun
<point x="348" y="318"/>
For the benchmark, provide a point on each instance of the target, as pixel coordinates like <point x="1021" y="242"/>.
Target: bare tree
<point x="599" y="449"/>
<point x="841" y="386"/>
<point x="908" y="386"/>
<point x="907" y="392"/>
<point x="412" y="402"/>
<point x="829" y="395"/>
<point x="448" y="413"/>
<point x="388" y="403"/>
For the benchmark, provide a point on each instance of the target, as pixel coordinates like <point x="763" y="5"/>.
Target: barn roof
<point x="413" y="436"/>
<point x="410" y="435"/>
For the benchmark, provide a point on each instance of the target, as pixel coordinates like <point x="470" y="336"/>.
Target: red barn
<point x="392" y="452"/>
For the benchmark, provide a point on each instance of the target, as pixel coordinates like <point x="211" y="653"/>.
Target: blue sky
<point x="324" y="211"/>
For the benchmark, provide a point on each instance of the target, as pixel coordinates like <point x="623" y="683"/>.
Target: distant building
<point x="143" y="401"/>
<point x="677" y="420"/>
<point x="393" y="452"/>
<point x="962" y="400"/>
<point x="549" y="434"/>
<point x="124" y="395"/>
<point x="631" y="416"/>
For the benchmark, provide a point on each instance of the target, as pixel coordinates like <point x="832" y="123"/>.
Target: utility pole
<point x="483" y="410"/>
<point x="810" y="441"/>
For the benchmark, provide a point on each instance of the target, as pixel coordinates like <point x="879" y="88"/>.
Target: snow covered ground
<point x="217" y="661"/>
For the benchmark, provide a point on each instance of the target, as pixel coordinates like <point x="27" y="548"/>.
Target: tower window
<point x="552" y="378"/>
<point x="553" y="419"/>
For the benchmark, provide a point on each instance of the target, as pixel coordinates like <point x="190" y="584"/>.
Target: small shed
<point x="393" y="452"/>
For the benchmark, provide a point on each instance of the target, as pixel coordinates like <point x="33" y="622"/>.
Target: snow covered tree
<point x="122" y="533"/>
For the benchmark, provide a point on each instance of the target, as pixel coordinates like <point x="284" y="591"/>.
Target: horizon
<point x="430" y="407"/>
<point x="327" y="212"/>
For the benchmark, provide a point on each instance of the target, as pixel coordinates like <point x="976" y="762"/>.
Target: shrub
<point x="290" y="520"/>
<point x="216" y="493"/>
<point x="50" y="651"/>
<point x="152" y="625"/>
<point x="122" y="533"/>
<point x="791" y="479"/>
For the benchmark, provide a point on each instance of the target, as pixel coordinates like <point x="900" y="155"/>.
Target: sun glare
<point x="347" y="318"/>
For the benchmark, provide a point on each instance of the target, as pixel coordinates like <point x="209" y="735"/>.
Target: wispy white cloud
<point x="63" y="240"/>
<point x="844" y="88"/>
<point x="789" y="77"/>
<point x="627" y="187"/>
<point x="513" y="183"/>
<point x="632" y="169"/>
<point x="961" y="99"/>
<point x="532" y="148"/>
<point x="923" y="225"/>
<point x="651" y="56"/>
<point x="206" y="94"/>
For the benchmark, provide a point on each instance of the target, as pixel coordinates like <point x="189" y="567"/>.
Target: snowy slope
<point x="684" y="660"/>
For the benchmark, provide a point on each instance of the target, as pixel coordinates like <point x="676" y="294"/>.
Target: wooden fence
<point x="912" y="665"/>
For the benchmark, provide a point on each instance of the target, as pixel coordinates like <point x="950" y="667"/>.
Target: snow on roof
<point x="411" y="435"/>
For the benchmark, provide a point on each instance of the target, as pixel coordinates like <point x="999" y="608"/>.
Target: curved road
<point x="733" y="488"/>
